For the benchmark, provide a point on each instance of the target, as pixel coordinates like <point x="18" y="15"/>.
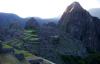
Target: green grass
<point x="26" y="54"/>
<point x="6" y="46"/>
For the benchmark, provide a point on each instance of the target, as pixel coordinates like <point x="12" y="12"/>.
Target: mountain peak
<point x="75" y="3"/>
<point x="74" y="6"/>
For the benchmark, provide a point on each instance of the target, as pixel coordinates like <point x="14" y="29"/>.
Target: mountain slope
<point x="7" y="18"/>
<point x="69" y="26"/>
<point x="79" y="24"/>
<point x="11" y="26"/>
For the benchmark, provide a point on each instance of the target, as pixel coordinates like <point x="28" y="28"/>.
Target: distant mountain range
<point x="46" y="21"/>
<point x="8" y="18"/>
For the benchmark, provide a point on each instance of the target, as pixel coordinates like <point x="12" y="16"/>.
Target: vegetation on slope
<point x="28" y="41"/>
<point x="92" y="58"/>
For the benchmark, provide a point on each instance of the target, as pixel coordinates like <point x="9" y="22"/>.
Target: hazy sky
<point x="42" y="8"/>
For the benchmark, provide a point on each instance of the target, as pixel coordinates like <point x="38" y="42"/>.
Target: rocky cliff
<point x="80" y="25"/>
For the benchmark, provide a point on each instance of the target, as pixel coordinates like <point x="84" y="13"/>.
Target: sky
<point x="42" y="8"/>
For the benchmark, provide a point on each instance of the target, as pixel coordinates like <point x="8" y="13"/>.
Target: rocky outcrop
<point x="47" y="45"/>
<point x="80" y="25"/>
<point x="31" y="23"/>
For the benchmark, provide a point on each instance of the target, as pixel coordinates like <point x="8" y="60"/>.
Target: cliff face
<point x="47" y="47"/>
<point x="79" y="24"/>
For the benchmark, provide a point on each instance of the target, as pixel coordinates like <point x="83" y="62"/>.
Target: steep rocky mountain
<point x="95" y="12"/>
<point x="79" y="24"/>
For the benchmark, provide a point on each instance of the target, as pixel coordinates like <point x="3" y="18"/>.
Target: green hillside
<point x="28" y="41"/>
<point x="24" y="47"/>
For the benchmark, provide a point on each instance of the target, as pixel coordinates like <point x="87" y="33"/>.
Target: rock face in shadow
<point x="11" y="26"/>
<point x="80" y="25"/>
<point x="31" y="23"/>
<point x="47" y="47"/>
